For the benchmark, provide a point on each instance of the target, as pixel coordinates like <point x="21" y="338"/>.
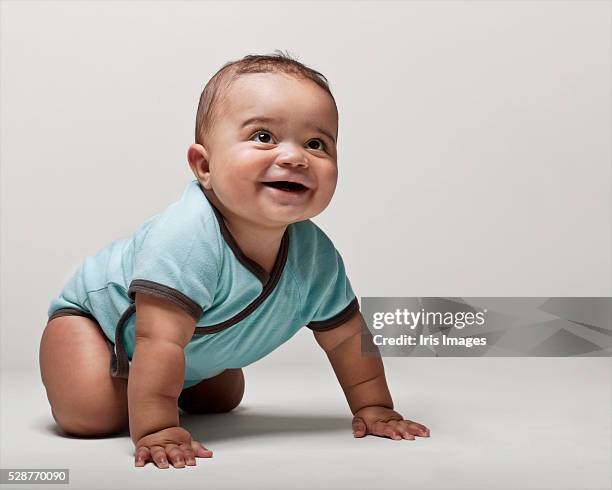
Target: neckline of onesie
<point x="249" y="263"/>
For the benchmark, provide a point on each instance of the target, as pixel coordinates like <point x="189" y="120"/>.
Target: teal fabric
<point x="183" y="248"/>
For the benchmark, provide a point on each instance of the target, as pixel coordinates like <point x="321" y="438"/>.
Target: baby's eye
<point x="321" y="147"/>
<point x="265" y="135"/>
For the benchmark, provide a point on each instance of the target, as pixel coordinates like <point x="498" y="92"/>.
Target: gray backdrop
<point x="474" y="145"/>
<point x="474" y="156"/>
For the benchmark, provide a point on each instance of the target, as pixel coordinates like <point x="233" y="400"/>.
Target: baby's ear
<point x="197" y="156"/>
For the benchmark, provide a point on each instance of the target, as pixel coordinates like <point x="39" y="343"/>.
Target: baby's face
<point x="296" y="142"/>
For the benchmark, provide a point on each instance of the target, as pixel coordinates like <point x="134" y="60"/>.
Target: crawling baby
<point x="218" y="279"/>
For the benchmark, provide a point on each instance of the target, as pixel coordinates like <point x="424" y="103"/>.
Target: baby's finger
<point x="386" y="430"/>
<point x="175" y="455"/>
<point x="393" y="434"/>
<point x="158" y="454"/>
<point x="359" y="427"/>
<point x="142" y="456"/>
<point x="188" y="453"/>
<point x="417" y="429"/>
<point x="402" y="427"/>
<point x="201" y="451"/>
<point x="404" y="432"/>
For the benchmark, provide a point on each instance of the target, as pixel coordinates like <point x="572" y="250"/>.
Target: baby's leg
<point x="74" y="364"/>
<point x="220" y="393"/>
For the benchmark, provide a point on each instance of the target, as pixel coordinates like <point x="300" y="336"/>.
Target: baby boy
<point x="219" y="279"/>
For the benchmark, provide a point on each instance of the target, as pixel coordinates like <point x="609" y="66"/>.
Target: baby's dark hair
<point x="215" y="89"/>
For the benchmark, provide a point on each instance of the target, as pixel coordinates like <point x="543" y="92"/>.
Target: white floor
<point x="508" y="423"/>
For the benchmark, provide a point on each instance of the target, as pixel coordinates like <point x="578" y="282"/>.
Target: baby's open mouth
<point x="283" y="185"/>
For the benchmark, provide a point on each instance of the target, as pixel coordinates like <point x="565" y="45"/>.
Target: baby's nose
<point x="293" y="163"/>
<point x="292" y="155"/>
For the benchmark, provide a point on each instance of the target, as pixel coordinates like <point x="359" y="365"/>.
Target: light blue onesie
<point x="187" y="255"/>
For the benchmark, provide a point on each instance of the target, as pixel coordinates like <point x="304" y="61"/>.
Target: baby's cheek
<point x="322" y="199"/>
<point x="331" y="176"/>
<point x="328" y="188"/>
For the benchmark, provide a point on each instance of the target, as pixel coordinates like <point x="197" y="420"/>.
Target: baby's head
<point x="263" y="120"/>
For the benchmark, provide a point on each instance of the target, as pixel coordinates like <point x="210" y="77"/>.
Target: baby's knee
<point x="85" y="421"/>
<point x="220" y="394"/>
<point x="228" y="404"/>
<point x="231" y="397"/>
<point x="91" y="412"/>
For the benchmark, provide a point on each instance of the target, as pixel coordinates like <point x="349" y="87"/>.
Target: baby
<point x="219" y="279"/>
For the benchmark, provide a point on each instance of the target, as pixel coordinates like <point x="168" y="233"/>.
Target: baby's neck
<point x="260" y="245"/>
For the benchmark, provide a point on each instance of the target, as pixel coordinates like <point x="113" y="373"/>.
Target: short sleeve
<point x="330" y="301"/>
<point x="178" y="260"/>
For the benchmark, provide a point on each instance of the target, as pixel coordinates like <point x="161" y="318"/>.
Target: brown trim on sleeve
<point x="162" y="291"/>
<point x="338" y="319"/>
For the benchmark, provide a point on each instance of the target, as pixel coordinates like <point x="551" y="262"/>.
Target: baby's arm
<point x="363" y="381"/>
<point x="155" y="382"/>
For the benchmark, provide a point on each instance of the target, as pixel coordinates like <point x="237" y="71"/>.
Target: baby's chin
<point x="283" y="218"/>
<point x="280" y="208"/>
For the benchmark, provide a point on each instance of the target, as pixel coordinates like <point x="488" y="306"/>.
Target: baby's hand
<point x="175" y="442"/>
<point x="382" y="421"/>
